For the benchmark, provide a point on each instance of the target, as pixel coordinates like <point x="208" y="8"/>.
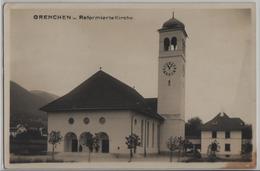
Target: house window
<point x="227" y="147"/>
<point x="102" y="120"/>
<point x="214" y="134"/>
<point x="227" y="134"/>
<point x="86" y="120"/>
<point x="71" y="120"/>
<point x="142" y="132"/>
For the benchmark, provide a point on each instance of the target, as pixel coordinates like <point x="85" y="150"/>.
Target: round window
<point x="86" y="120"/>
<point x="102" y="120"/>
<point x="71" y="120"/>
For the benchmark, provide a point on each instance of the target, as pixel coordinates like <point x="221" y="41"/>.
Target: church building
<point x="104" y="106"/>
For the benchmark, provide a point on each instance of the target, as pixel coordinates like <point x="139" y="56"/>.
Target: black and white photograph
<point x="161" y="86"/>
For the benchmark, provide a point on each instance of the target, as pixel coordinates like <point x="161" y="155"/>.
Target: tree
<point x="193" y="127"/>
<point x="212" y="149"/>
<point x="54" y="139"/>
<point x="247" y="132"/>
<point x="132" y="141"/>
<point x="91" y="142"/>
<point x="247" y="148"/>
<point x="186" y="144"/>
<point x="175" y="143"/>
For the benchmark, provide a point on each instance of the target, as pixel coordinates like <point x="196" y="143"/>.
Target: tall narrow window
<point x="174" y="43"/>
<point x="169" y="82"/>
<point x="166" y="44"/>
<point x="148" y="134"/>
<point x="142" y="132"/>
<point x="153" y="135"/>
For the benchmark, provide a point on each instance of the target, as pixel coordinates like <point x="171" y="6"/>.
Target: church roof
<point x="102" y="92"/>
<point x="173" y="24"/>
<point x="222" y="122"/>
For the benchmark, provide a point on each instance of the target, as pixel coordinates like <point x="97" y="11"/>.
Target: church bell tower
<point x="171" y="80"/>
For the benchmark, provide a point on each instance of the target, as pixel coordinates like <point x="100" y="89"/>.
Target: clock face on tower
<point x="169" y="68"/>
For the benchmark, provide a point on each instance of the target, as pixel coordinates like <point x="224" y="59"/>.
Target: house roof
<point x="102" y="92"/>
<point x="222" y="122"/>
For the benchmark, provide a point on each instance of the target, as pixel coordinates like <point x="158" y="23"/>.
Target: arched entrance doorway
<point x="104" y="142"/>
<point x="84" y="139"/>
<point x="70" y="142"/>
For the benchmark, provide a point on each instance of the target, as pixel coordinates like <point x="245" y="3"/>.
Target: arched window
<point x="166" y="44"/>
<point x="70" y="142"/>
<point x="174" y="43"/>
<point x="85" y="139"/>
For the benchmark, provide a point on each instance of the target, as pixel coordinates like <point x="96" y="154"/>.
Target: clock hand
<point x="169" y="66"/>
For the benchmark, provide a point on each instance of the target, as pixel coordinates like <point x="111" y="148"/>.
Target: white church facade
<point x="107" y="107"/>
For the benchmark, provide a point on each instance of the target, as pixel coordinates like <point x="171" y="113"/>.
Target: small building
<point x="227" y="132"/>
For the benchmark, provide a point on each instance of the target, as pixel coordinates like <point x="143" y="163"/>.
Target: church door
<point x="105" y="146"/>
<point x="74" y="145"/>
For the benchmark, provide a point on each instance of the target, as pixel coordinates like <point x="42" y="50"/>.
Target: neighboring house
<point x="227" y="132"/>
<point x="105" y="106"/>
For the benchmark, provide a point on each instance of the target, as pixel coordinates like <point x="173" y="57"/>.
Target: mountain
<point x="44" y="95"/>
<point x="24" y="105"/>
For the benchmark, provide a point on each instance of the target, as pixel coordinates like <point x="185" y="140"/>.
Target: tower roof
<point x="173" y="24"/>
<point x="102" y="92"/>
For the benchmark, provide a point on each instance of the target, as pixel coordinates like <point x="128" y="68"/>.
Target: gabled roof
<point x="222" y="122"/>
<point x="102" y="92"/>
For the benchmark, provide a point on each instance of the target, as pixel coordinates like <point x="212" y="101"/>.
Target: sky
<point x="57" y="55"/>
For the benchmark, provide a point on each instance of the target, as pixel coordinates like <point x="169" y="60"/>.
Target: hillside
<point x="24" y="105"/>
<point x="44" y="95"/>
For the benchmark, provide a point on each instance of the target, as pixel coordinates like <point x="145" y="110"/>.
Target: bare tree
<point x="173" y="144"/>
<point x="212" y="149"/>
<point x="54" y="139"/>
<point x="91" y="142"/>
<point x="132" y="141"/>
